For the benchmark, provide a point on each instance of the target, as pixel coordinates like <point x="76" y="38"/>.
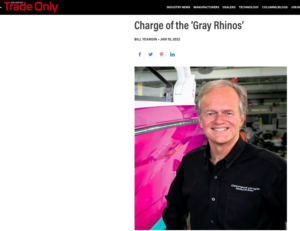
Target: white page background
<point x="66" y="108"/>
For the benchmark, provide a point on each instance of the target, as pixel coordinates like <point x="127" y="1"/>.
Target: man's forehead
<point x="221" y="93"/>
<point x="224" y="98"/>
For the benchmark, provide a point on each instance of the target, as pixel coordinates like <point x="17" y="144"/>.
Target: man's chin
<point x="221" y="140"/>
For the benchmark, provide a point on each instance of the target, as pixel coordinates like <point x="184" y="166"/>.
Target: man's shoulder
<point x="195" y="153"/>
<point x="266" y="156"/>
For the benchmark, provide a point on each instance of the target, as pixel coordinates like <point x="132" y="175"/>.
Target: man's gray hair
<point x="242" y="93"/>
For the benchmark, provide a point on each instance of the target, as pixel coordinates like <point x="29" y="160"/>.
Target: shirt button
<point x="213" y="199"/>
<point x="212" y="221"/>
<point x="216" y="177"/>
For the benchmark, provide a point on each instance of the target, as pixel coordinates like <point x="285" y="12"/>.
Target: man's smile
<point x="220" y="129"/>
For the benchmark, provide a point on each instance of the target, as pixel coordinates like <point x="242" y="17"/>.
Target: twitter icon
<point x="150" y="54"/>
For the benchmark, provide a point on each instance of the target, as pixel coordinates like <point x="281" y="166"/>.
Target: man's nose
<point x="220" y="118"/>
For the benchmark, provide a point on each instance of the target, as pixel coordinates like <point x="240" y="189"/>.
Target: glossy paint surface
<point x="150" y="116"/>
<point x="157" y="156"/>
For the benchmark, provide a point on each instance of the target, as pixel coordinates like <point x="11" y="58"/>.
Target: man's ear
<point x="243" y="119"/>
<point x="199" y="120"/>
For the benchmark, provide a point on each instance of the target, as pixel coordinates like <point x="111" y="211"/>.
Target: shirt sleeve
<point x="174" y="213"/>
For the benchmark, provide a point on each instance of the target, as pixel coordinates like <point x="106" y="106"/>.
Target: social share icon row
<point x="150" y="54"/>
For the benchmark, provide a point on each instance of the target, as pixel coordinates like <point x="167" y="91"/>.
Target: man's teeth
<point x="220" y="129"/>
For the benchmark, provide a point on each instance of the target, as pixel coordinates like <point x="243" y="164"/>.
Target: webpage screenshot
<point x="148" y="116"/>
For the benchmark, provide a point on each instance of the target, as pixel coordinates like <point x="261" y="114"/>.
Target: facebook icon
<point x="140" y="54"/>
<point x="172" y="54"/>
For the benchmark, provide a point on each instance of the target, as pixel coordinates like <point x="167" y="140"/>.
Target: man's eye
<point x="210" y="114"/>
<point x="229" y="113"/>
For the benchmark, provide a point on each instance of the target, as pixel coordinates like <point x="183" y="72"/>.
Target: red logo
<point x="161" y="54"/>
<point x="37" y="6"/>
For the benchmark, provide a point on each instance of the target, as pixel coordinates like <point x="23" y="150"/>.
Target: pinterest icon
<point x="161" y="54"/>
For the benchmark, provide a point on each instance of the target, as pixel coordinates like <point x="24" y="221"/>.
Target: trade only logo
<point x="14" y="6"/>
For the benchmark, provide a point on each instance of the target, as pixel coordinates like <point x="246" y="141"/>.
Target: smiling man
<point x="227" y="184"/>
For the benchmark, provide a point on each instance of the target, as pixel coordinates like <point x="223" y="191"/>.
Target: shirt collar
<point x="232" y="155"/>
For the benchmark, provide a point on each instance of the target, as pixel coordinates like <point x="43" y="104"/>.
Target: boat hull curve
<point x="163" y="136"/>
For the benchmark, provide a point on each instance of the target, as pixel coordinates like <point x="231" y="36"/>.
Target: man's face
<point x="220" y="116"/>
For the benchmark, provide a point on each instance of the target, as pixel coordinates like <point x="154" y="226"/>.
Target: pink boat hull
<point x="157" y="156"/>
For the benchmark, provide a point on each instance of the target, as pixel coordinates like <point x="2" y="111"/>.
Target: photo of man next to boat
<point x="194" y="167"/>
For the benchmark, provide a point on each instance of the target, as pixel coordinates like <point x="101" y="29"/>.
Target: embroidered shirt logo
<point x="244" y="188"/>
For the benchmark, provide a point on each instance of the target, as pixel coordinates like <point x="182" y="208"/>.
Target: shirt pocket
<point x="242" y="210"/>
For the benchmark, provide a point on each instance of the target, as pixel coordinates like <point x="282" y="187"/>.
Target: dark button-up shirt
<point x="245" y="190"/>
